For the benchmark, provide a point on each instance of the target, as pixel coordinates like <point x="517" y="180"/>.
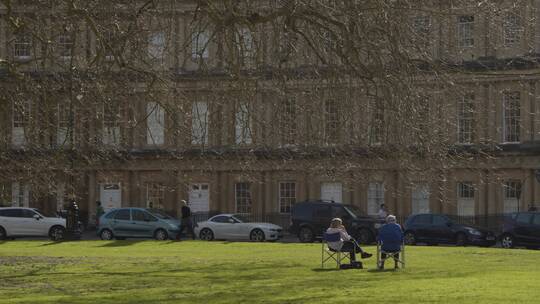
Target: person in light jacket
<point x="346" y="242"/>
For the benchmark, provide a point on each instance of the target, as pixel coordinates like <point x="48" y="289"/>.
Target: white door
<point x="420" y="199"/>
<point x="199" y="197"/>
<point x="110" y="196"/>
<point x="332" y="192"/>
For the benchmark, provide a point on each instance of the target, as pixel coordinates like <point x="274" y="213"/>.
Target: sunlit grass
<point x="226" y="272"/>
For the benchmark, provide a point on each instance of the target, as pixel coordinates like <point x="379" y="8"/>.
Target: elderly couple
<point x="391" y="232"/>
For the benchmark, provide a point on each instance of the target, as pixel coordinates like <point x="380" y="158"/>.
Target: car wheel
<point x="57" y="233"/>
<point x="306" y="235"/>
<point x="256" y="235"/>
<point x="461" y="239"/>
<point x="3" y="234"/>
<point x="410" y="238"/>
<point x="364" y="236"/>
<point x="206" y="234"/>
<point x="106" y="235"/>
<point x="507" y="241"/>
<point x="161" y="235"/>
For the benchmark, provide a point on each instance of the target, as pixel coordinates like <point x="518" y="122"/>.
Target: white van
<point x="19" y="222"/>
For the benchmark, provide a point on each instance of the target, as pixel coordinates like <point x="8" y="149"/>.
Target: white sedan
<point x="234" y="226"/>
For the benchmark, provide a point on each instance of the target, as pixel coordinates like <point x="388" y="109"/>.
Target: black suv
<point x="442" y="229"/>
<point x="311" y="218"/>
<point x="521" y="229"/>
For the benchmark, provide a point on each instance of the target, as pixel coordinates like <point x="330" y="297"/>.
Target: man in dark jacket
<point x="186" y="221"/>
<point x="391" y="237"/>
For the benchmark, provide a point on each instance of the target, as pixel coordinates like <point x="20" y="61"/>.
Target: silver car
<point x="22" y="222"/>
<point x="237" y="227"/>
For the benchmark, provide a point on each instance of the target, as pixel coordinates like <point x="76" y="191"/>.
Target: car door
<point x="141" y="223"/>
<point x="322" y="215"/>
<point x="421" y="227"/>
<point x="241" y="230"/>
<point x="38" y="225"/>
<point x="11" y="220"/>
<point x="29" y="226"/>
<point x="121" y="223"/>
<point x="523" y="228"/>
<point x="536" y="229"/>
<point x="222" y="226"/>
<point x="441" y="229"/>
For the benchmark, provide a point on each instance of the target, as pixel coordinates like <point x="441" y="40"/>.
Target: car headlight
<point x="173" y="226"/>
<point x="474" y="231"/>
<point x="377" y="225"/>
<point x="273" y="229"/>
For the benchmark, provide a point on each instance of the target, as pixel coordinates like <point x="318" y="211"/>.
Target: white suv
<point x="17" y="222"/>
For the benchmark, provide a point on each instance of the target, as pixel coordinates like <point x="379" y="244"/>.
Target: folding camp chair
<point x="397" y="256"/>
<point x="328" y="254"/>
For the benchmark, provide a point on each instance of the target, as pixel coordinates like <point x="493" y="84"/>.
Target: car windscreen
<point x="464" y="220"/>
<point x="46" y="214"/>
<point x="354" y="211"/>
<point x="242" y="218"/>
<point x="159" y="214"/>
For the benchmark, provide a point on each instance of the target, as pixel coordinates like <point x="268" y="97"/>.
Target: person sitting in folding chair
<point x="390" y="240"/>
<point x="346" y="243"/>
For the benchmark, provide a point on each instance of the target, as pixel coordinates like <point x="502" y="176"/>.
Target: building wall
<point x="176" y="173"/>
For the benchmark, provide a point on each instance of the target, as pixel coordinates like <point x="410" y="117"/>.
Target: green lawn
<point x="227" y="272"/>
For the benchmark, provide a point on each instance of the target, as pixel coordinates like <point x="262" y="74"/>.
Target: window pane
<point x="524" y="218"/>
<point x="466" y="119"/>
<point x="466" y="31"/>
<point x="287" y="196"/>
<point x="199" y="123"/>
<point x="138" y="215"/>
<point x="511" y="116"/>
<point x="243" y="124"/>
<point x="375" y="197"/>
<point x="122" y="214"/>
<point x="243" y="198"/>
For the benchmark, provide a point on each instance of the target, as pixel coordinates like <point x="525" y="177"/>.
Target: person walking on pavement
<point x="186" y="220"/>
<point x="99" y="211"/>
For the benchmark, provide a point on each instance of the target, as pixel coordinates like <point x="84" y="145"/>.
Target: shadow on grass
<point x="121" y="243"/>
<point x="52" y="243"/>
<point x="375" y="270"/>
<point x="326" y="269"/>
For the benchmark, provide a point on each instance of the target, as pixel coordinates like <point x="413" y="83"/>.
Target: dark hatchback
<point x="309" y="219"/>
<point x="442" y="229"/>
<point x="521" y="229"/>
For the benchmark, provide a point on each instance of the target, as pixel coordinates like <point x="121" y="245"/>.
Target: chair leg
<point x="322" y="255"/>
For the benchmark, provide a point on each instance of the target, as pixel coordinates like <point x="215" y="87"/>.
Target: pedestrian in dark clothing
<point x="99" y="211"/>
<point x="186" y="221"/>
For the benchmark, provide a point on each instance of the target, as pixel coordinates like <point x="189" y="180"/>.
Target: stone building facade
<point x="248" y="147"/>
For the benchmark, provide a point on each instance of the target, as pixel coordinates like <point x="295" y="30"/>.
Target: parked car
<point x="309" y="220"/>
<point x="442" y="229"/>
<point x="137" y="223"/>
<point x="521" y="229"/>
<point x="235" y="226"/>
<point x="21" y="222"/>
